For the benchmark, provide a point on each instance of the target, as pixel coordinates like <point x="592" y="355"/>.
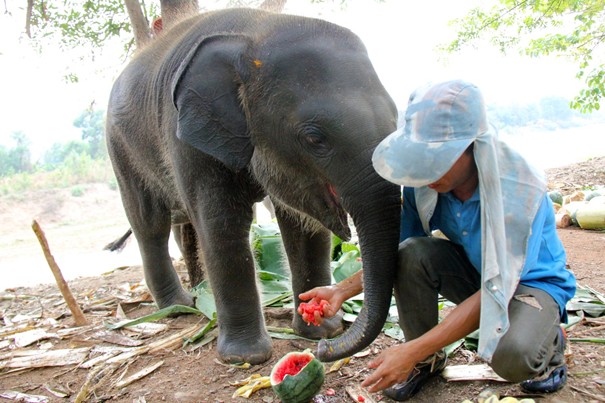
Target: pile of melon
<point x="585" y="209"/>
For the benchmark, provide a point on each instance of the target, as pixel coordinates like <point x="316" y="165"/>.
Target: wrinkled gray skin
<point x="233" y="105"/>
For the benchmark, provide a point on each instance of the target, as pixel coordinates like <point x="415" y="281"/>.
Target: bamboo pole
<point x="72" y="304"/>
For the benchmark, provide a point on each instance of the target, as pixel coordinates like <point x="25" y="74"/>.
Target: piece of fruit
<point x="556" y="196"/>
<point x="307" y="310"/>
<point x="297" y="377"/>
<point x="591" y="216"/>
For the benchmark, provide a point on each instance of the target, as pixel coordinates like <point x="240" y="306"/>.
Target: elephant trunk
<point x="377" y="224"/>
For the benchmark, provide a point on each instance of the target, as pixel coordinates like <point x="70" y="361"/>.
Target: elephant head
<point x="298" y="104"/>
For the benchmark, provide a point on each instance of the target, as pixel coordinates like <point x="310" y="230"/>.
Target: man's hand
<point x="335" y="294"/>
<point x="395" y="364"/>
<point x="331" y="294"/>
<point x="392" y="366"/>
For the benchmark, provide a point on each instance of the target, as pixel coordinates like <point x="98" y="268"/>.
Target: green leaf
<point x="285" y="333"/>
<point x="162" y="313"/>
<point x="587" y="340"/>
<point x="204" y="300"/>
<point x="276" y="300"/>
<point x="268" y="249"/>
<point x="471" y="342"/>
<point x="394" y="331"/>
<point x="588" y="301"/>
<point x="594" y="310"/>
<point x="209" y="326"/>
<point x="347" y="265"/>
<point x="349" y="317"/>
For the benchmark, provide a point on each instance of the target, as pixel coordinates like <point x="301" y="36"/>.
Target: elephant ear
<point x="205" y="94"/>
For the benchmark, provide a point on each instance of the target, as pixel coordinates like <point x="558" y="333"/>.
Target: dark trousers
<point x="432" y="266"/>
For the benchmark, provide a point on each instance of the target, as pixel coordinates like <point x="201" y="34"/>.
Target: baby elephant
<point x="228" y="107"/>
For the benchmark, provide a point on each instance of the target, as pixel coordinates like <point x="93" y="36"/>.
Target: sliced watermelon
<point x="297" y="377"/>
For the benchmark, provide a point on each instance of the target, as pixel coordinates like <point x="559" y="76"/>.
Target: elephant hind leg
<point x="149" y="218"/>
<point x="152" y="230"/>
<point x="186" y="239"/>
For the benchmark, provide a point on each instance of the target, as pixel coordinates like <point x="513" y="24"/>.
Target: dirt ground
<point x="195" y="374"/>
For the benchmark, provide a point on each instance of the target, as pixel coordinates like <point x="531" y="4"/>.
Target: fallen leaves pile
<point x="33" y="329"/>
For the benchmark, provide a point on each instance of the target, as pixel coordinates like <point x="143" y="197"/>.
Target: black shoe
<point x="554" y="377"/>
<point x="421" y="373"/>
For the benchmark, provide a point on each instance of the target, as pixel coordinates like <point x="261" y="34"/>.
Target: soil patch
<point x="195" y="374"/>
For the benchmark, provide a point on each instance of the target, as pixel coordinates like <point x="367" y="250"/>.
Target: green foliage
<point x="571" y="28"/>
<point x="63" y="165"/>
<point x="77" y="191"/>
<point x="92" y="123"/>
<point x="267" y="248"/>
<point x="59" y="153"/>
<point x="16" y="159"/>
<point x="77" y="23"/>
<point x="77" y="169"/>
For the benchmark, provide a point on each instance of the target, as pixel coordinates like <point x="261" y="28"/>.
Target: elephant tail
<point x="118" y="244"/>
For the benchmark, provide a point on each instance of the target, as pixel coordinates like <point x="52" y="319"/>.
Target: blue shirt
<point x="545" y="264"/>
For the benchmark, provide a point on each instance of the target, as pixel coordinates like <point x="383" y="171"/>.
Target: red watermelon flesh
<point x="292" y="366"/>
<point x="307" y="310"/>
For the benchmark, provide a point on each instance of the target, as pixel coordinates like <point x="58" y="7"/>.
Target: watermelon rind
<point x="556" y="196"/>
<point x="299" y="388"/>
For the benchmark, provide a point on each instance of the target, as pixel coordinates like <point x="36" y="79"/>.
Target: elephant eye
<point x="315" y="140"/>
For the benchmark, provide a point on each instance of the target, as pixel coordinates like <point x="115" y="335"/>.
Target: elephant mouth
<point x="337" y="222"/>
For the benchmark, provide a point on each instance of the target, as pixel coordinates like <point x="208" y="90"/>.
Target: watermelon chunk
<point x="297" y="377"/>
<point x="307" y="310"/>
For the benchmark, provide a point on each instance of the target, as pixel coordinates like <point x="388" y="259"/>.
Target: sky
<point x="401" y="37"/>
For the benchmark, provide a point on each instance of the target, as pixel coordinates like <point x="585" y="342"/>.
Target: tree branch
<point x="140" y="25"/>
<point x="28" y="17"/>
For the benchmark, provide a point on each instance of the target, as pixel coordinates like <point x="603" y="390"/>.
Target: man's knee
<point x="511" y="360"/>
<point x="414" y="250"/>
<point x="517" y="359"/>
<point x="424" y="256"/>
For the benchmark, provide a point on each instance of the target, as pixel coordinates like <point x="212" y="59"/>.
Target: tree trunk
<point x="140" y="25"/>
<point x="28" y="18"/>
<point x="174" y="11"/>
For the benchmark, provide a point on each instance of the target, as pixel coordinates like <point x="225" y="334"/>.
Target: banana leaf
<point x="348" y="264"/>
<point x="204" y="300"/>
<point x="157" y="315"/>
<point x="268" y="248"/>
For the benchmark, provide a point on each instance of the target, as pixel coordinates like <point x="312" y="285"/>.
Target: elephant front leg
<point x="309" y="259"/>
<point x="230" y="269"/>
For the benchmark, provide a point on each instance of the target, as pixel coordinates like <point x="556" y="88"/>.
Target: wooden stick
<point x="72" y="304"/>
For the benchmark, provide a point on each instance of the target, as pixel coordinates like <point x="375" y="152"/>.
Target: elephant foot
<point x="330" y="328"/>
<point x="249" y="347"/>
<point x="178" y="298"/>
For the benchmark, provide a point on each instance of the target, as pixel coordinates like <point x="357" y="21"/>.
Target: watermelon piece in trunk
<point x="297" y="377"/>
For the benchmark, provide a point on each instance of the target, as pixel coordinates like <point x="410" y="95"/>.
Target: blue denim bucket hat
<point x="441" y="121"/>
